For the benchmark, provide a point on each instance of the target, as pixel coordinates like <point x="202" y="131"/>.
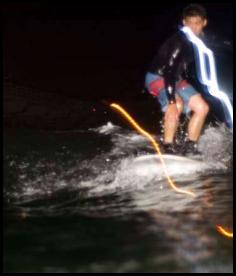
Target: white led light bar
<point x="211" y="81"/>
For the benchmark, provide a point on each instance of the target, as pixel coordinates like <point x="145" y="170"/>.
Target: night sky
<point x="92" y="51"/>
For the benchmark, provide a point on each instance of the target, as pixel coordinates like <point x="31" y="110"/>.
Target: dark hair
<point x="194" y="10"/>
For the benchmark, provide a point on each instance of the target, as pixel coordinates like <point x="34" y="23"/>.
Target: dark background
<point x="92" y="51"/>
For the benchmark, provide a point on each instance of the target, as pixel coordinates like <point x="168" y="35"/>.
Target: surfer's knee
<point x="171" y="118"/>
<point x="199" y="106"/>
<point x="202" y="109"/>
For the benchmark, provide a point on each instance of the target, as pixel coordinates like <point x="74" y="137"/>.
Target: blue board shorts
<point x="156" y="87"/>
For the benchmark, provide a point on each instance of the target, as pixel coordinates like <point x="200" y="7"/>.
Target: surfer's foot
<point x="169" y="148"/>
<point x="190" y="148"/>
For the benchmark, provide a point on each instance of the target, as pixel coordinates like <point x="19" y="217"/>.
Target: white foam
<point x="108" y="128"/>
<point x="216" y="144"/>
<point x="114" y="171"/>
<point x="136" y="173"/>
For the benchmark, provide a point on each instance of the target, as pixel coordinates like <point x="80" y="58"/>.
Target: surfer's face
<point x="195" y="23"/>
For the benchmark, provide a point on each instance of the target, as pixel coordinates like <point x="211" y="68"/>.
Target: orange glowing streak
<point x="224" y="232"/>
<point x="155" y="145"/>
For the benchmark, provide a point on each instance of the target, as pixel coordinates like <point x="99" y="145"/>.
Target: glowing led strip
<point x="210" y="82"/>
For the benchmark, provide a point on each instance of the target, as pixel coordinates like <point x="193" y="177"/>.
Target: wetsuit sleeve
<point x="170" y="73"/>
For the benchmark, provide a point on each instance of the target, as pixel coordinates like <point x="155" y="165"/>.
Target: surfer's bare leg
<point x="200" y="110"/>
<point x="171" y="121"/>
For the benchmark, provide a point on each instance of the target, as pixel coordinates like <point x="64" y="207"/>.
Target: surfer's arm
<point x="170" y="72"/>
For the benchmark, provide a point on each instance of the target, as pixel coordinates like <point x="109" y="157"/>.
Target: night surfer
<point x="167" y="80"/>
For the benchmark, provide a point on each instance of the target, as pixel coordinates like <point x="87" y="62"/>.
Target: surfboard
<point x="175" y="164"/>
<point x="171" y="157"/>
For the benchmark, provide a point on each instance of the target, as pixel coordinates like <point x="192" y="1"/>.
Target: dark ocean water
<point x="96" y="200"/>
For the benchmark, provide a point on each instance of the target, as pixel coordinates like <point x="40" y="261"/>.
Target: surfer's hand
<point x="172" y="112"/>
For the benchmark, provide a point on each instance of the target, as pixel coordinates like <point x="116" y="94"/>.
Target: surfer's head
<point x="195" y="17"/>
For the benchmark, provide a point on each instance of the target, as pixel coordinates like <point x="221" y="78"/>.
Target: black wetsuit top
<point x="172" y="61"/>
